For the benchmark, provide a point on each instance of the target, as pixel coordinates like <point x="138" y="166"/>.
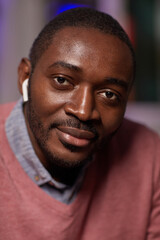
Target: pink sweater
<point x="119" y="198"/>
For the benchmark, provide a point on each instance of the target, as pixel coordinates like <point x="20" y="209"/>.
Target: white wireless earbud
<point x="25" y="90"/>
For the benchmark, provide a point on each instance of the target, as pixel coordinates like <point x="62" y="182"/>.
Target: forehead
<point x="88" y="48"/>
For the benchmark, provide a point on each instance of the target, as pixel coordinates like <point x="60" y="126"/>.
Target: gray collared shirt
<point x="20" y="143"/>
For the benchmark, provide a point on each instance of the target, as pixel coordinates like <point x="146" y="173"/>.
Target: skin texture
<point x="77" y="97"/>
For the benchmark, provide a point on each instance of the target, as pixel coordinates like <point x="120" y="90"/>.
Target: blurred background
<point x="21" y="21"/>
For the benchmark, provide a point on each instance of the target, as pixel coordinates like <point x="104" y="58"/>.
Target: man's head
<point x="79" y="87"/>
<point x="78" y="17"/>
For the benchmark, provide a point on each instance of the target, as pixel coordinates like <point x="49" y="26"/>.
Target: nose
<point x="82" y="105"/>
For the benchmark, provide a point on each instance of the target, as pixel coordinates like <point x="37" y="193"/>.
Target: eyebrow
<point x="116" y="81"/>
<point x="66" y="65"/>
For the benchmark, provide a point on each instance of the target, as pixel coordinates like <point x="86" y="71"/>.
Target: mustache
<point x="76" y="123"/>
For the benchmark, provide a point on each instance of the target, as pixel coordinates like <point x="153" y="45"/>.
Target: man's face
<point x="78" y="93"/>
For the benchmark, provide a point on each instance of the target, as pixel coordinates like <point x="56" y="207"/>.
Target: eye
<point x="110" y="95"/>
<point x="61" y="81"/>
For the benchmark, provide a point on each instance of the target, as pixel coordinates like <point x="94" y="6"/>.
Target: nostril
<point x="82" y="112"/>
<point x="74" y="109"/>
<point x="70" y="108"/>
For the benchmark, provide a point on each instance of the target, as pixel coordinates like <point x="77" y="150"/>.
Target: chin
<point x="69" y="156"/>
<point x="70" y="160"/>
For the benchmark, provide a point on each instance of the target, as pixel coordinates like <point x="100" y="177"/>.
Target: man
<point x="70" y="166"/>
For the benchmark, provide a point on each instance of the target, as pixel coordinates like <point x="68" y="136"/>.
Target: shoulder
<point x="136" y="149"/>
<point x="136" y="142"/>
<point x="5" y="110"/>
<point x="137" y="133"/>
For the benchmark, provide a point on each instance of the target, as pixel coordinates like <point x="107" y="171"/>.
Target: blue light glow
<point x="68" y="6"/>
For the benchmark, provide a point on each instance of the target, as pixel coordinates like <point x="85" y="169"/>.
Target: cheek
<point x="46" y="102"/>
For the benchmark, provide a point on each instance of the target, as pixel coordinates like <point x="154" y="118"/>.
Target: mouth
<point x="75" y="136"/>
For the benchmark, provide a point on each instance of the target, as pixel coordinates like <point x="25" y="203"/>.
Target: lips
<point x="75" y="136"/>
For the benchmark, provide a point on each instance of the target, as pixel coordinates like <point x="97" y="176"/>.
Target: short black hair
<point x="78" y="17"/>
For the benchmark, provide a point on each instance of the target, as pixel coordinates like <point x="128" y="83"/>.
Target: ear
<point x="24" y="72"/>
